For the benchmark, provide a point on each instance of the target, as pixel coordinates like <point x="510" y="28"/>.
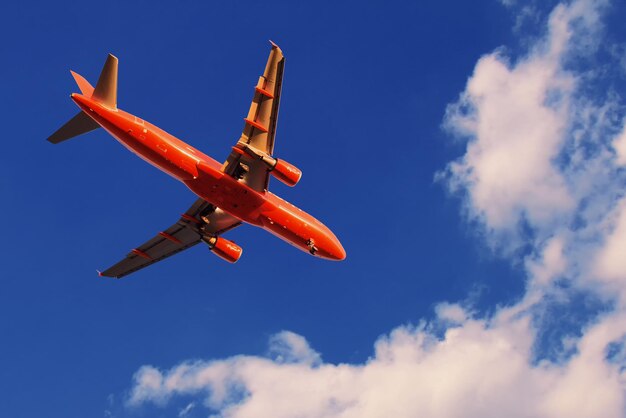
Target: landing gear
<point x="311" y="244"/>
<point x="241" y="170"/>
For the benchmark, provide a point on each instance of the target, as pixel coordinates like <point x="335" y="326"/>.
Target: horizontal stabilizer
<point x="78" y="125"/>
<point x="85" y="87"/>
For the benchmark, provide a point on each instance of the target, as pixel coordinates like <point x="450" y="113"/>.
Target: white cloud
<point x="551" y="264"/>
<point x="288" y="347"/>
<point x="611" y="258"/>
<point x="508" y="167"/>
<point x="479" y="369"/>
<point x="620" y="146"/>
<point x="451" y="312"/>
<point x="539" y="157"/>
<point x="516" y="119"/>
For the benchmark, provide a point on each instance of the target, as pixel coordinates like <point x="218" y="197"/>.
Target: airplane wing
<point x="260" y="125"/>
<point x="202" y="218"/>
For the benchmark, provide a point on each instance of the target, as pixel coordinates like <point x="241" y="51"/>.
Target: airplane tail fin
<point x="105" y="92"/>
<point x="106" y="88"/>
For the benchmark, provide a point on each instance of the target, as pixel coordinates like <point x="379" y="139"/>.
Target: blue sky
<point x="470" y="157"/>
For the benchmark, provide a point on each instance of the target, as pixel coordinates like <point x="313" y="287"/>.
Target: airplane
<point x="229" y="194"/>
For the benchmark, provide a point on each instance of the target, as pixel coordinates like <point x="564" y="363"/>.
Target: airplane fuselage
<point x="205" y="177"/>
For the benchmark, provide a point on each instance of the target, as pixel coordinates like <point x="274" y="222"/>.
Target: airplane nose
<point x="340" y="254"/>
<point x="329" y="246"/>
<point x="336" y="251"/>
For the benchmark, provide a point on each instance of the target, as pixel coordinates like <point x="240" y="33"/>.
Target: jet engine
<point x="287" y="173"/>
<point x="281" y="169"/>
<point x="224" y="248"/>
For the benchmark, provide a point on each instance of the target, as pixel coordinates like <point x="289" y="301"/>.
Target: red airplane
<point x="230" y="193"/>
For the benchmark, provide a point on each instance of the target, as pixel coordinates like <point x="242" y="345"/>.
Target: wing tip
<point x="101" y="274"/>
<point x="274" y="44"/>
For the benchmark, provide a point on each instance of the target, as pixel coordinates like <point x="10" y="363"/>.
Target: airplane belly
<point x="150" y="144"/>
<point x="300" y="229"/>
<point x="161" y="153"/>
<point x="228" y="194"/>
<point x="284" y="228"/>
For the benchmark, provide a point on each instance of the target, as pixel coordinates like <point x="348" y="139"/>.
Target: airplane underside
<point x="229" y="194"/>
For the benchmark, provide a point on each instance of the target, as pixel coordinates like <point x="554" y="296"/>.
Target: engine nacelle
<point x="224" y="248"/>
<point x="287" y="173"/>
<point x="282" y="170"/>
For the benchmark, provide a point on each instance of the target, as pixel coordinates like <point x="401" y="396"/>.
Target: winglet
<point x="273" y="44"/>
<point x="99" y="273"/>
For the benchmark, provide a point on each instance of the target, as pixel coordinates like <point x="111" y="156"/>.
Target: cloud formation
<point x="542" y="171"/>
<point x="611" y="258"/>
<point x="620" y="146"/>
<point x="479" y="369"/>
<point x="518" y="119"/>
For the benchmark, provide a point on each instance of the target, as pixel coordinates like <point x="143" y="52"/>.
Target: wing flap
<point x="260" y="128"/>
<point x="202" y="218"/>
<point x="260" y="124"/>
<point x="178" y="238"/>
